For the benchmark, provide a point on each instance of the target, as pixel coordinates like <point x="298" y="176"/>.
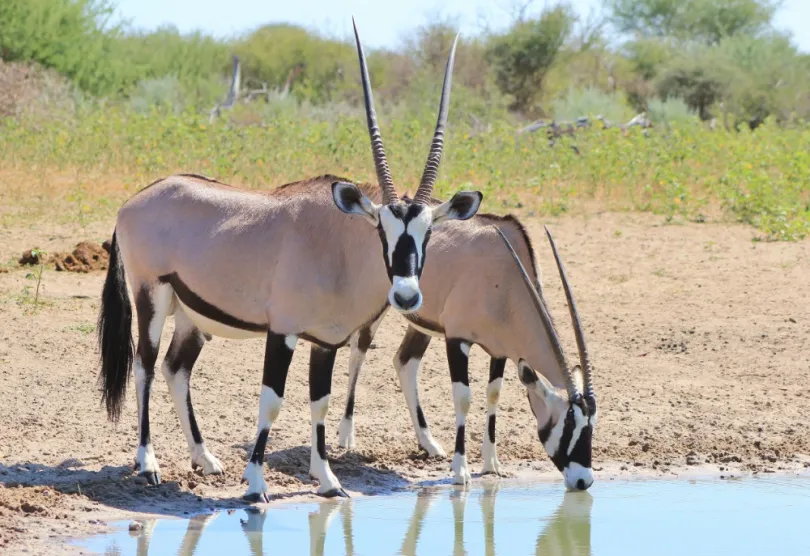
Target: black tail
<point x="115" y="335"/>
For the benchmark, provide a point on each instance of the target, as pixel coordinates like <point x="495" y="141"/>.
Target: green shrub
<point x="591" y="103"/>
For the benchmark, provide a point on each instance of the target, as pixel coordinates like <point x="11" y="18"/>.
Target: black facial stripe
<point x="545" y="431"/>
<point x="560" y="457"/>
<point x="405" y="257"/>
<point x="404" y="260"/>
<point x="581" y="453"/>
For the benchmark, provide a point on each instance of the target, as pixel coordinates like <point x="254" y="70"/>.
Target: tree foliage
<point x="522" y="56"/>
<point x="708" y="21"/>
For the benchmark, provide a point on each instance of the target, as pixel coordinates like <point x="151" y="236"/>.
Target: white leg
<point x="269" y="408"/>
<point x="360" y="342"/>
<point x="153" y="305"/>
<point x="489" y="451"/>
<point x="179" y="389"/>
<point x="145" y="460"/>
<point x="328" y="484"/>
<point x="183" y="351"/>
<point x="461" y="400"/>
<point x="408" y="374"/>
<point x="277" y="357"/>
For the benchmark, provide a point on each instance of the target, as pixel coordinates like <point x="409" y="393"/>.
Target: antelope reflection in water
<point x="567" y="531"/>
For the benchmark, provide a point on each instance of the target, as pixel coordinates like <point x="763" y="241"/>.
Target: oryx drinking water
<point x="482" y="294"/>
<point x="284" y="264"/>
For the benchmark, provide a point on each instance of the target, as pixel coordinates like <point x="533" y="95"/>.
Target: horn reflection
<point x="566" y="531"/>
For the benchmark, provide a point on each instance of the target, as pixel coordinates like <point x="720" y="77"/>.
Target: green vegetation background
<point x="115" y="109"/>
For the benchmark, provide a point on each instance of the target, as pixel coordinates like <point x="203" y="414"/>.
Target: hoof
<point x="216" y="471"/>
<point x="336" y="493"/>
<point x="491" y="473"/>
<point x="436" y="453"/>
<point x="152" y="477"/>
<point x="256" y="497"/>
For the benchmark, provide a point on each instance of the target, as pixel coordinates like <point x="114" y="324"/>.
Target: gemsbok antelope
<point x="282" y="265"/>
<point x="507" y="325"/>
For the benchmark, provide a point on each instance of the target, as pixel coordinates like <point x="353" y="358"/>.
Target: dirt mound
<point x="28" y="85"/>
<point x="85" y="257"/>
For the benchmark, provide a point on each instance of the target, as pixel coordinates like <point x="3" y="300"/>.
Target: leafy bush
<point x="69" y="36"/>
<point x="523" y="56"/>
<point x="103" y="155"/>
<point x="671" y="110"/>
<point x="163" y="94"/>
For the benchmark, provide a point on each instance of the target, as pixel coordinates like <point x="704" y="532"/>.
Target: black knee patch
<point x="320" y="433"/>
<point x="460" y="440"/>
<point x="349" y="407"/>
<point x="420" y="417"/>
<point x="258" y="450"/>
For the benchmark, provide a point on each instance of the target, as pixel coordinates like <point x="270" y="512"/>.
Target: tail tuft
<point x="115" y="335"/>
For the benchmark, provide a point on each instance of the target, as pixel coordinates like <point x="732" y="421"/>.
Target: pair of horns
<point x="423" y="194"/>
<point x="556" y="345"/>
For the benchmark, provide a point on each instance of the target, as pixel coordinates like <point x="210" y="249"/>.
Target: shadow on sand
<point x="118" y="487"/>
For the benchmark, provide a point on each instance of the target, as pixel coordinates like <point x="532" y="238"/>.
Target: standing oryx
<point x="285" y="264"/>
<point x="478" y="295"/>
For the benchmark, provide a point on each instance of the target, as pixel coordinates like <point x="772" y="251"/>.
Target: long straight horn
<point x="559" y="354"/>
<point x="425" y="190"/>
<point x="584" y="357"/>
<point x="377" y="149"/>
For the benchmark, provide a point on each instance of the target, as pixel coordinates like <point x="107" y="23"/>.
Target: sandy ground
<point x="700" y="337"/>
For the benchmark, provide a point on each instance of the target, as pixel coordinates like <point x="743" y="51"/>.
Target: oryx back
<point x="242" y="262"/>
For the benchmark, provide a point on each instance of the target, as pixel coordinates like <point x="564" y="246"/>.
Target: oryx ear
<point x="462" y="206"/>
<point x="351" y="200"/>
<point x="579" y="378"/>
<point x="537" y="382"/>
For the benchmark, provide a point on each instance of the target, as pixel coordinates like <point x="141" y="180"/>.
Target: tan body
<point x="265" y="260"/>
<point x="476" y="294"/>
<point x="476" y="266"/>
<point x="315" y="260"/>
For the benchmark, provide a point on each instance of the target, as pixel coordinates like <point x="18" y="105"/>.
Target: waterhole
<point x="735" y="517"/>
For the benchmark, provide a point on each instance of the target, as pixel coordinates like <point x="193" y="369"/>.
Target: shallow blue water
<point x="735" y="517"/>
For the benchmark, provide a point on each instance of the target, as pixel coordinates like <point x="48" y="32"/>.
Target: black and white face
<point x="565" y="426"/>
<point x="404" y="229"/>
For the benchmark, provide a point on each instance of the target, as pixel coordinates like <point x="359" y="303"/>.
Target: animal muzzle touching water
<point x="577" y="477"/>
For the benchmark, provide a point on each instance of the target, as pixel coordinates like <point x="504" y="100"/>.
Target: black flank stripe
<point x="199" y="305"/>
